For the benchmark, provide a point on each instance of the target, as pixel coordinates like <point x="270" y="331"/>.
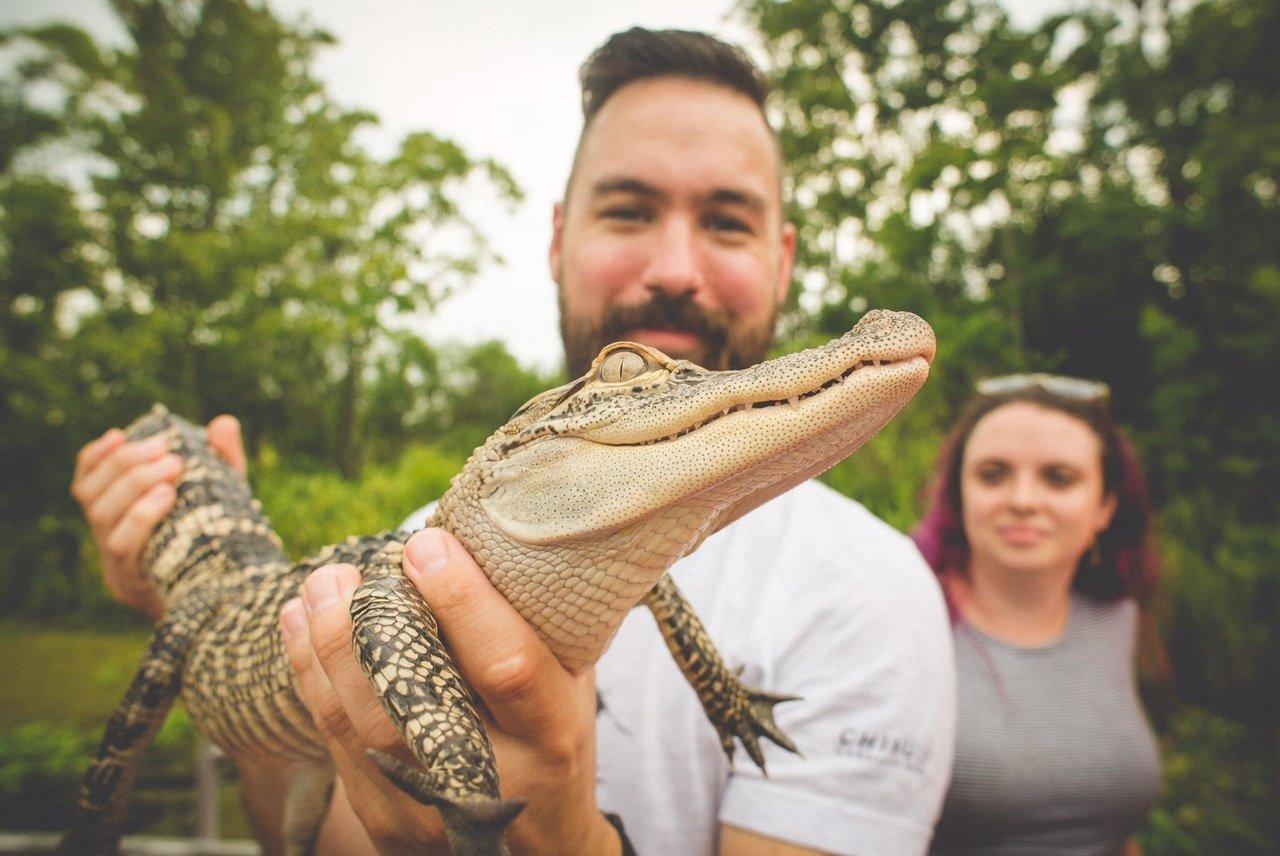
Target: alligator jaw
<point x="735" y="439"/>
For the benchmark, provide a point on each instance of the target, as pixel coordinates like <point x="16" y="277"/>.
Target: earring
<point x="1095" y="554"/>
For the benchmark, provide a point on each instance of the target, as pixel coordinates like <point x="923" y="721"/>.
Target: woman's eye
<point x="991" y="474"/>
<point x="1058" y="477"/>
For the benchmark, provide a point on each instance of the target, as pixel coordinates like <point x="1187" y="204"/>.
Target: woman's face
<point x="1031" y="489"/>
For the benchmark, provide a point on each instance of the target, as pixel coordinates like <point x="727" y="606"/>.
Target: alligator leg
<point x="104" y="792"/>
<point x="397" y="642"/>
<point x="310" y="786"/>
<point x="735" y="709"/>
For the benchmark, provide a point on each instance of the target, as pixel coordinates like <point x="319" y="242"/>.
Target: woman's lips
<point x="1021" y="536"/>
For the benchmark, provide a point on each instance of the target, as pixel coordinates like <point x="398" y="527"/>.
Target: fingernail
<point x="162" y="493"/>
<point x="293" y="620"/>
<point x="426" y="553"/>
<point x="155" y="444"/>
<point x="348" y="581"/>
<point x="321" y="590"/>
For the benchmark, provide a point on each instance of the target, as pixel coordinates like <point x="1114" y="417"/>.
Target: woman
<point x="1037" y="530"/>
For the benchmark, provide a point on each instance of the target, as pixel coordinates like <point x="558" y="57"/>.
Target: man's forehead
<point x="650" y="119"/>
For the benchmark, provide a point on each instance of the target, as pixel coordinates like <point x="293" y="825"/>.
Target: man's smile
<point x="671" y="341"/>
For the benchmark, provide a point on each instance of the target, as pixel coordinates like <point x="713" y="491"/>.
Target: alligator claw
<point x="750" y="717"/>
<point x="473" y="825"/>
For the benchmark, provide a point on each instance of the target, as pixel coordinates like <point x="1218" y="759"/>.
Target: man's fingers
<point x="142" y="484"/>
<point x="317" y="693"/>
<point x="91" y="454"/>
<point x="323" y="702"/>
<point x="380" y="806"/>
<point x="123" y="544"/>
<point x="137" y="524"/>
<point x="122" y="458"/>
<point x="499" y="653"/>
<point x="327" y="597"/>
<point x="224" y="436"/>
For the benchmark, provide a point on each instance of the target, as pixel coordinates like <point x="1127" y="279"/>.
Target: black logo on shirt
<point x="884" y="748"/>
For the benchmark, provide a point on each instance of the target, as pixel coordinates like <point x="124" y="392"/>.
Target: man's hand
<point x="125" y="489"/>
<point x="543" y="717"/>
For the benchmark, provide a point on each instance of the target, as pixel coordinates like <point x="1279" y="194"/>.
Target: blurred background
<point x="330" y="220"/>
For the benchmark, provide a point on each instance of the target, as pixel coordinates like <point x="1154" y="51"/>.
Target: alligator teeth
<point x="792" y="403"/>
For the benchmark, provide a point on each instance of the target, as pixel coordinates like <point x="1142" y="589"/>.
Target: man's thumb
<point x="224" y="436"/>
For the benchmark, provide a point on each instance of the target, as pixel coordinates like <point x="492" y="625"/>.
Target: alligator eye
<point x="621" y="366"/>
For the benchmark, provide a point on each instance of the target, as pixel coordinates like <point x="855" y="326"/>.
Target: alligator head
<point x="580" y="503"/>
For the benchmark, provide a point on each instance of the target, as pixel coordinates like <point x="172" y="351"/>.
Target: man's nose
<point x="674" y="266"/>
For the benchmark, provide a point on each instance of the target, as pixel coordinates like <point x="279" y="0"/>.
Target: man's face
<point x="671" y="233"/>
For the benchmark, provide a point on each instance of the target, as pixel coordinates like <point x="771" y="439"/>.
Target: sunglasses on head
<point x="1075" y="388"/>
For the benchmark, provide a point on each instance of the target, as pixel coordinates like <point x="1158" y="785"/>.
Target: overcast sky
<point x="499" y="78"/>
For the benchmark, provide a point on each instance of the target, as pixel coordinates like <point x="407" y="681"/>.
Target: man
<point x="671" y="233"/>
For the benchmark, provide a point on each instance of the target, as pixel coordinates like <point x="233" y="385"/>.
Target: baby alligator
<point x="575" y="509"/>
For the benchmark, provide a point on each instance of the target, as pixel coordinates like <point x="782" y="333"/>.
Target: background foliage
<point x="1096" y="196"/>
<point x="191" y="219"/>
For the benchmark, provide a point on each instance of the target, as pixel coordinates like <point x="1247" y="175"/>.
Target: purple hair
<point x="1128" y="565"/>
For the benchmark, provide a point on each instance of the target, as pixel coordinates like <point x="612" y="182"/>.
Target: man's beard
<point x="724" y="344"/>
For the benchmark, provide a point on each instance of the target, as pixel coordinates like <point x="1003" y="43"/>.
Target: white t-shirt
<point x="816" y="597"/>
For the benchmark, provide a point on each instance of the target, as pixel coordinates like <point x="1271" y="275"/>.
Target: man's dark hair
<point x="638" y="54"/>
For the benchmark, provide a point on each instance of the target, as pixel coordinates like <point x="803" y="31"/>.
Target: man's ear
<point x="554" y="253"/>
<point x="786" y="263"/>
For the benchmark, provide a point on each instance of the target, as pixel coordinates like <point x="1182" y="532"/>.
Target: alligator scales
<point x="575" y="509"/>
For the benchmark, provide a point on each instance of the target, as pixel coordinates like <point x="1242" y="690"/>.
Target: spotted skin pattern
<point x="735" y="709"/>
<point x="398" y="644"/>
<point x="105" y="789"/>
<point x="224" y="577"/>
<point x="575" y="509"/>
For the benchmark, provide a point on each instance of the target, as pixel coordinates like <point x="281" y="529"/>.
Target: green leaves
<point x="1097" y="196"/>
<point x="1073" y="179"/>
<point x="192" y="219"/>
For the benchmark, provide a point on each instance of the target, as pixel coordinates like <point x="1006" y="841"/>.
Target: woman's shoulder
<point x="1111" y="625"/>
<point x="1121" y="611"/>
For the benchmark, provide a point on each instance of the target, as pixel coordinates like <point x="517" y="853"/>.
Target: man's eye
<point x="725" y="223"/>
<point x="626" y="214"/>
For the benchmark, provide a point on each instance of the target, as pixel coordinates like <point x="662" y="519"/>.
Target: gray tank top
<point x="1053" y="752"/>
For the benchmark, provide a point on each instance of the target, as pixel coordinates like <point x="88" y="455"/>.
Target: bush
<point x="886" y="474"/>
<point x="1217" y="794"/>
<point x="312" y="509"/>
<point x="41" y="764"/>
<point x="1223" y="632"/>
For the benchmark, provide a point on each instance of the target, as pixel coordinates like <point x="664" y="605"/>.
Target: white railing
<point x="207" y="781"/>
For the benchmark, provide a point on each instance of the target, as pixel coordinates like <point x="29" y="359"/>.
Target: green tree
<point x="1096" y="195"/>
<point x="917" y="138"/>
<point x="486" y="385"/>
<point x="1184" y="132"/>
<point x="191" y="219"/>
